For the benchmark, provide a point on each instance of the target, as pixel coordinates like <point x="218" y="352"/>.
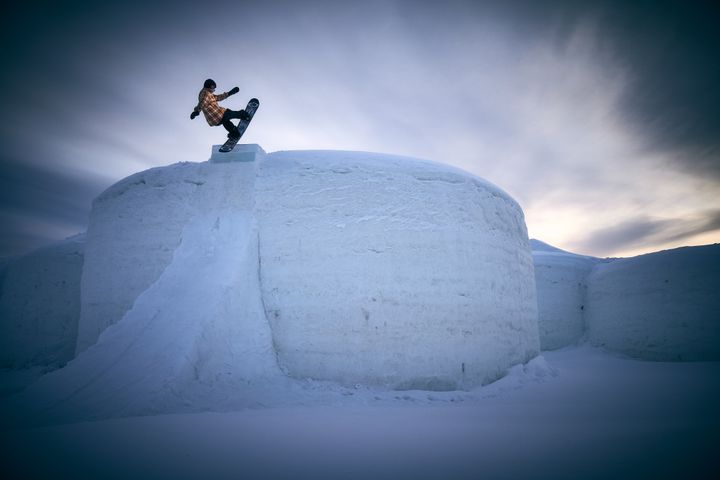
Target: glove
<point x="194" y="114"/>
<point x="233" y="91"/>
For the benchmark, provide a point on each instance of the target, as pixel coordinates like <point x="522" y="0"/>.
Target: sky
<point x="601" y="118"/>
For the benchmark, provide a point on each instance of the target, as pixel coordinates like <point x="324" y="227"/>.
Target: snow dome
<point x="387" y="270"/>
<point x="370" y="268"/>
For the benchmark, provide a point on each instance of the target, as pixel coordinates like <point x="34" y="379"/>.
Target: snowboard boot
<point x="244" y="115"/>
<point x="234" y="134"/>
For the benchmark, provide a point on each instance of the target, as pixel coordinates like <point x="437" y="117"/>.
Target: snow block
<point x="391" y="271"/>
<point x="561" y="280"/>
<point x="40" y="305"/>
<point x="659" y="306"/>
<point x="241" y="153"/>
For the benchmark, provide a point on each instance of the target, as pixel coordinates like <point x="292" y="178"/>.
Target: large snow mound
<point x="659" y="306"/>
<point x="40" y="305"/>
<point x="393" y="271"/>
<point x="206" y="285"/>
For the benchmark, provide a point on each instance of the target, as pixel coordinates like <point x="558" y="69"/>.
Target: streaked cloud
<point x="637" y="232"/>
<point x="597" y="117"/>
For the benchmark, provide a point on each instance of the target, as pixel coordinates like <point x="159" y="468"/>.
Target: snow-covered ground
<point x="577" y="412"/>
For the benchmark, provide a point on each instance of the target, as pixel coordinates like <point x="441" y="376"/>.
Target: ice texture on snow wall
<point x="659" y="306"/>
<point x="385" y="270"/>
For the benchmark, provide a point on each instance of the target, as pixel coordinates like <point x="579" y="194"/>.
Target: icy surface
<point x="659" y="306"/>
<point x="386" y="270"/>
<point x="561" y="280"/>
<point x="40" y="305"/>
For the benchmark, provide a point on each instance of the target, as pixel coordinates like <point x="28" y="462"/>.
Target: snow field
<point x="577" y="413"/>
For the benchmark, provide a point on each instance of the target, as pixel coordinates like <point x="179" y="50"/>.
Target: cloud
<point x="571" y="109"/>
<point x="37" y="205"/>
<point x="649" y="231"/>
<point x="674" y="103"/>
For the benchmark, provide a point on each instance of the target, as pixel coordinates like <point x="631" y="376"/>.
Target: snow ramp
<point x="191" y="341"/>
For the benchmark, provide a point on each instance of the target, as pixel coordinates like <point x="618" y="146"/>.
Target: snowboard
<point x="251" y="108"/>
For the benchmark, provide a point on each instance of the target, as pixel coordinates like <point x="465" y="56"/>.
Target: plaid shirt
<point x="207" y="102"/>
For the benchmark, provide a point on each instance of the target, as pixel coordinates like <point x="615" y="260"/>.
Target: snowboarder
<point x="214" y="113"/>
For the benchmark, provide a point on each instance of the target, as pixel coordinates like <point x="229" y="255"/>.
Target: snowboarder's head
<point x="210" y="83"/>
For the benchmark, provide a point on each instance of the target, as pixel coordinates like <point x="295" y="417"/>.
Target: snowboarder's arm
<point x="222" y="96"/>
<point x="195" y="112"/>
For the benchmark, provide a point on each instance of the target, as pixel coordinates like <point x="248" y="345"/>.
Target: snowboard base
<point x="251" y="108"/>
<point x="229" y="145"/>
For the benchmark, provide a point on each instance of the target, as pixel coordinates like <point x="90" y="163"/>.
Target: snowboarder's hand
<point x="233" y="91"/>
<point x="194" y="114"/>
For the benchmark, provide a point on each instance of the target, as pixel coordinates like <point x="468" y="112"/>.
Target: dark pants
<point x="227" y="116"/>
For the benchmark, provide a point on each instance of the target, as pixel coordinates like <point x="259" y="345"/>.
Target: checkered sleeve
<point x="208" y="103"/>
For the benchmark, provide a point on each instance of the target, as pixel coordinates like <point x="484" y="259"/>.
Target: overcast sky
<point x="602" y="119"/>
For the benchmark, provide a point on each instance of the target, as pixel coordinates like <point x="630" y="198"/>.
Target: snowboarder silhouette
<point x="214" y="113"/>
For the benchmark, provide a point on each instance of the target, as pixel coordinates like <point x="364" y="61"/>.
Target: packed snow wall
<point x="387" y="270"/>
<point x="40" y="305"/>
<point x="659" y="306"/>
<point x="172" y="314"/>
<point x="194" y="340"/>
<point x="369" y="269"/>
<point x="561" y="280"/>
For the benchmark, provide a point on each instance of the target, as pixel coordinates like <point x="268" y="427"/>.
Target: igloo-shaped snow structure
<point x="370" y="268"/>
<point x="387" y="270"/>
